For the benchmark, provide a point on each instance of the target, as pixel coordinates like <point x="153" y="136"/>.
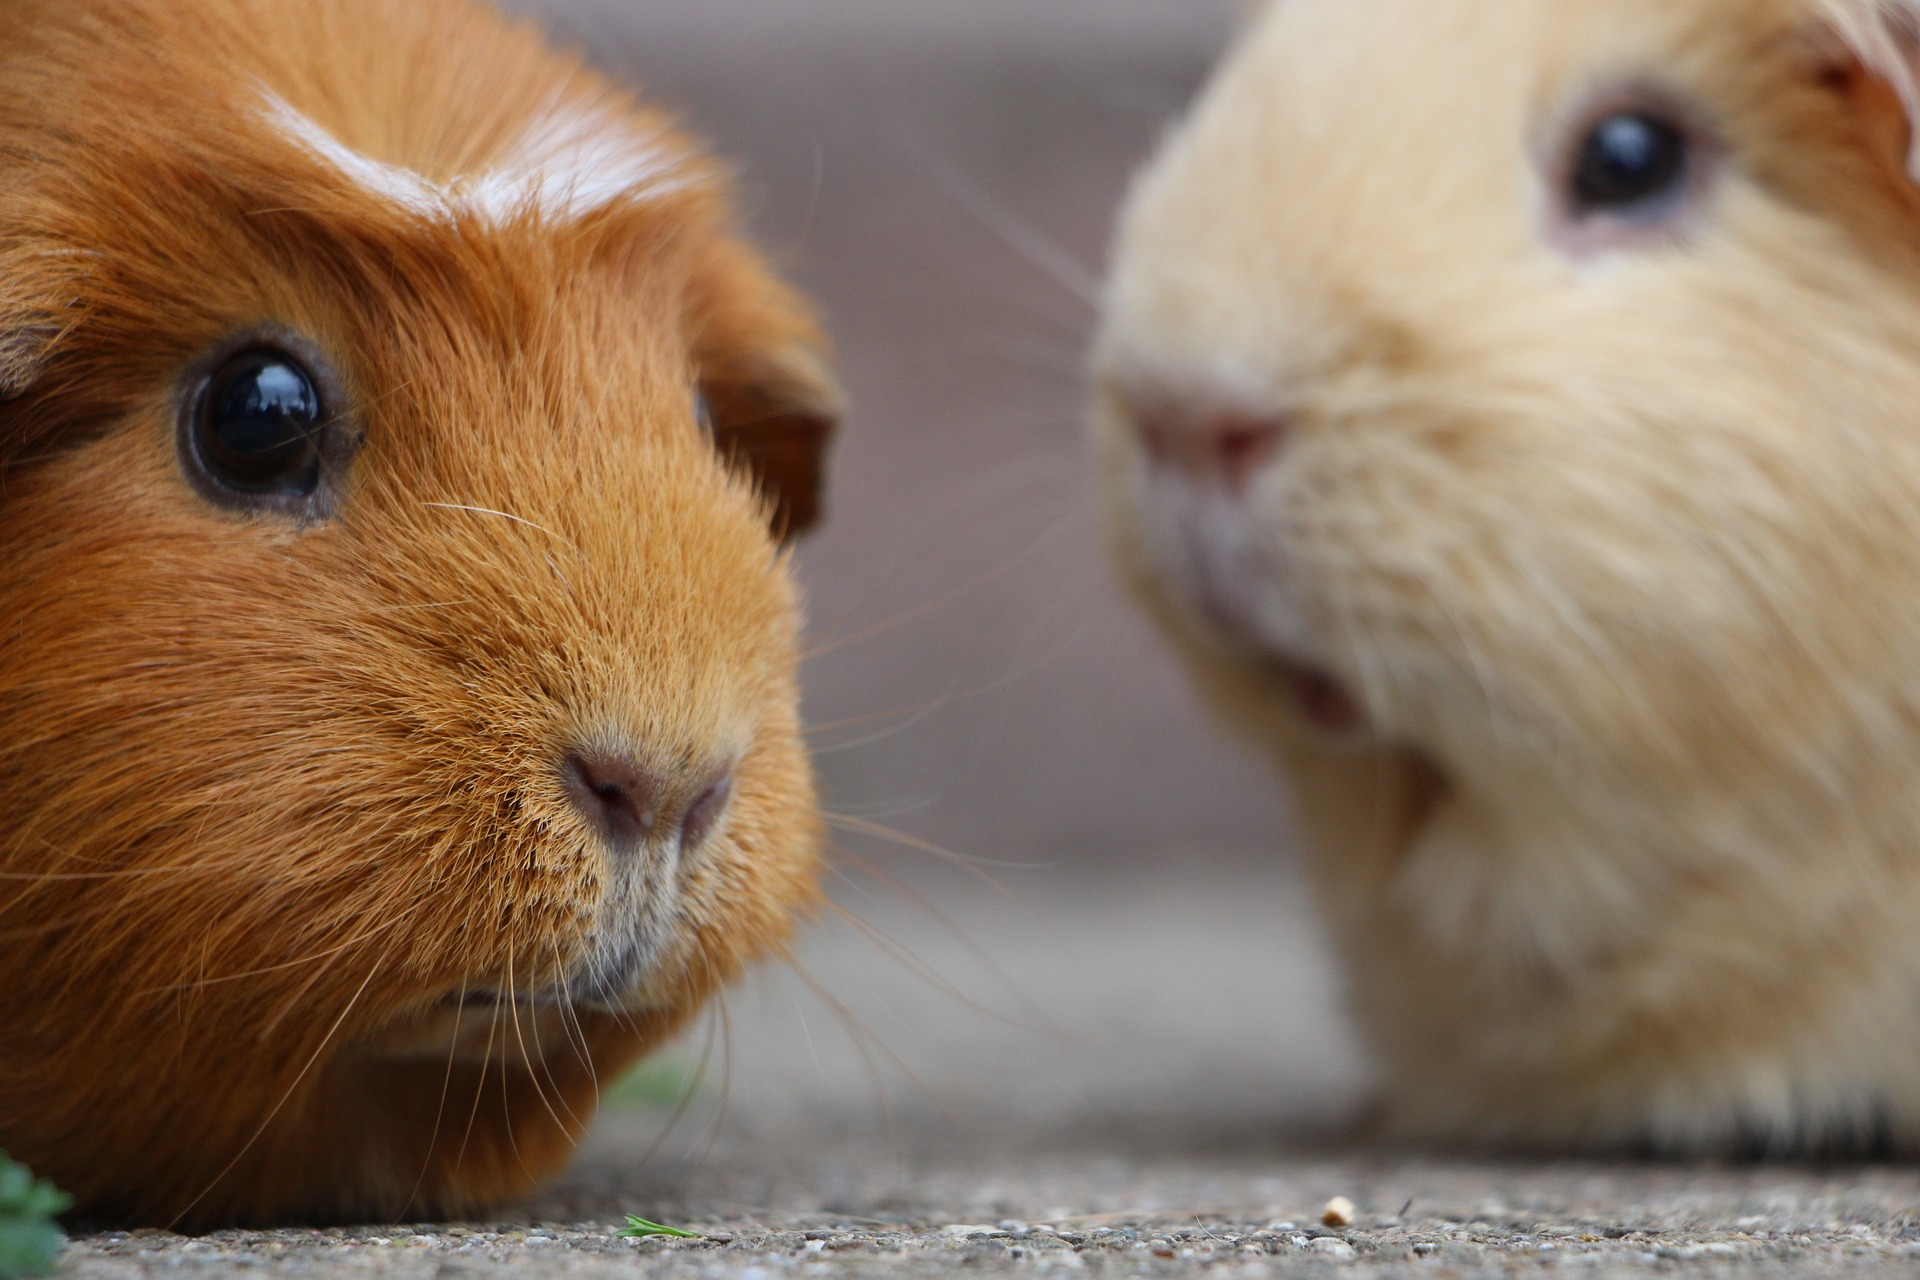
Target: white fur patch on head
<point x="391" y="182"/>
<point x="1885" y="36"/>
<point x="569" y="163"/>
<point x="574" y="162"/>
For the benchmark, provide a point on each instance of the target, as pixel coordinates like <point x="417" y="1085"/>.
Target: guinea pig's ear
<point x="774" y="413"/>
<point x="32" y="321"/>
<point x="21" y="349"/>
<point x="1881" y="38"/>
<point x="765" y="374"/>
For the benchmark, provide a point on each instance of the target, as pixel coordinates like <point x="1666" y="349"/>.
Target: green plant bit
<point x="656" y="1082"/>
<point x="30" y="1239"/>
<point x="638" y="1228"/>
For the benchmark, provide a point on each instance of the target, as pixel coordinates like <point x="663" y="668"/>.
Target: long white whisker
<point x="1077" y="280"/>
<point x="489" y="511"/>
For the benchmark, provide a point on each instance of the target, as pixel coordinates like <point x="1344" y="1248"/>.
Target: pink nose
<point x="631" y="805"/>
<point x="1226" y="449"/>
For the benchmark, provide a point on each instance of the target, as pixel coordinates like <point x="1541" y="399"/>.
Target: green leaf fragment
<point x="639" y="1228"/>
<point x="30" y="1239"/>
<point x="654" y="1083"/>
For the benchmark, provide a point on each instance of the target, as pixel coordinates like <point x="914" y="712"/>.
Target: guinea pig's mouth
<point x="1323" y="699"/>
<point x="478" y="1027"/>
<point x="489" y="1024"/>
<point x="600" y="998"/>
<point x="615" y="986"/>
<point x="1240" y="622"/>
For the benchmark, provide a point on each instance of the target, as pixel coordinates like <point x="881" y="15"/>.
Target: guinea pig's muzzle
<point x="1203" y="527"/>
<point x="650" y="828"/>
<point x="653" y="826"/>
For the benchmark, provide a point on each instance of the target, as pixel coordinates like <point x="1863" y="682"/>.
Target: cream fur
<point x="1619" y="550"/>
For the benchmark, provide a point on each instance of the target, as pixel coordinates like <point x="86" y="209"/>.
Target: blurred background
<point x="1088" y="919"/>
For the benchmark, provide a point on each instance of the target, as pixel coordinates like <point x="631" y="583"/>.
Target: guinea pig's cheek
<point x="1226" y="565"/>
<point x="1217" y="559"/>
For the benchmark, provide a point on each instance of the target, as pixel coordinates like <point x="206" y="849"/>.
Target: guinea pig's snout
<point x="1222" y="449"/>
<point x="631" y="805"/>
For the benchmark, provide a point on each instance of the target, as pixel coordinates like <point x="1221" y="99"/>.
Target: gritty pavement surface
<point x="1236" y="1216"/>
<point x="1067" y="1077"/>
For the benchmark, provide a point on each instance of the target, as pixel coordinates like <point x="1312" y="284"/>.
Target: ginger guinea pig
<point x="398" y="724"/>
<point x="1512" y="411"/>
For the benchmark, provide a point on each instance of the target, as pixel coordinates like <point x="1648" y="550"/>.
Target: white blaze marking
<point x="568" y="163"/>
<point x="574" y="162"/>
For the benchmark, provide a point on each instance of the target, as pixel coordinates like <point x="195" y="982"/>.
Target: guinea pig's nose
<point x="617" y="794"/>
<point x="704" y="813"/>
<point x="1226" y="449"/>
<point x="630" y="804"/>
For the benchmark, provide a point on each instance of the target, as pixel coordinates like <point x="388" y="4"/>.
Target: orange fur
<point x="275" y="796"/>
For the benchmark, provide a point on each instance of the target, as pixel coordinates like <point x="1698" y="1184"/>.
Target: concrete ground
<point x="1139" y="1075"/>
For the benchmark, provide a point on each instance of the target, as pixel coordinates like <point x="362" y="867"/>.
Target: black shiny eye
<point x="1629" y="162"/>
<point x="258" y="425"/>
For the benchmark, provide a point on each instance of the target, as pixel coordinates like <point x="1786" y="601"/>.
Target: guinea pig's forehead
<point x="1417" y="69"/>
<point x="1704" y="48"/>
<point x="1332" y="65"/>
<point x="558" y="164"/>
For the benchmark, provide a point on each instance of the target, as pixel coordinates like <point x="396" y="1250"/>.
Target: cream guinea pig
<point x="1512" y="412"/>
<point x="398" y="720"/>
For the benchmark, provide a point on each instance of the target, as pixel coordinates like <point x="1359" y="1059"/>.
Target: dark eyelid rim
<point x="703" y="414"/>
<point x="340" y="439"/>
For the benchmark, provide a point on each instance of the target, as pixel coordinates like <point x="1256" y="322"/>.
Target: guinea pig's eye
<point x="263" y="426"/>
<point x="1629" y="162"/>
<point x="257" y="426"/>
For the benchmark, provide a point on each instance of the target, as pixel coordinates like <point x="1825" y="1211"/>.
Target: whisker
<point x="489" y="511"/>
<point x="1016" y="561"/>
<point x="386" y="926"/>
<point x="971" y="862"/>
<point x="863" y="1036"/>
<point x="440" y="1111"/>
<point x="904" y="719"/>
<point x="539" y="1066"/>
<point x="583" y="1052"/>
<point x="434" y="604"/>
<point x="724" y="1022"/>
<point x="533" y="1060"/>
<point x="685" y="1104"/>
<point x="1019" y="468"/>
<point x="506" y="1073"/>
<point x="1084" y="285"/>
<point x="291" y="1089"/>
<point x="904" y="956"/>
<point x="480" y="1086"/>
